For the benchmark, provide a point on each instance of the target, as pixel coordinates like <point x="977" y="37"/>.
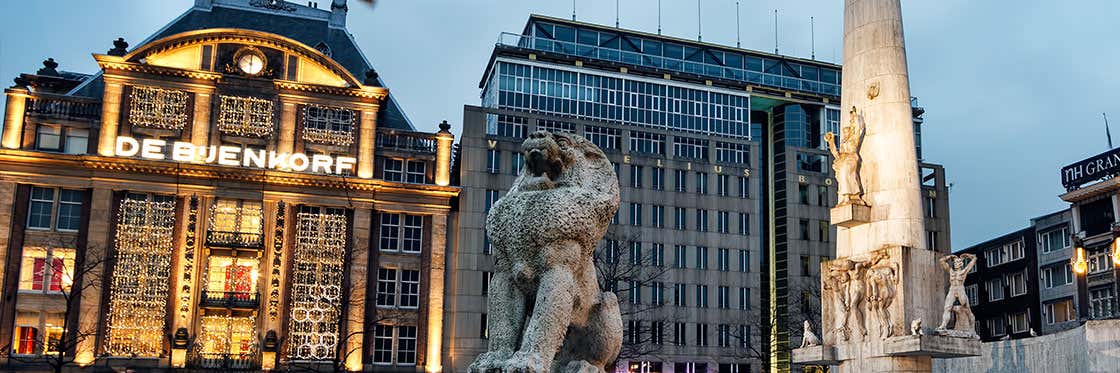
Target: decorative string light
<point x="328" y="125"/>
<point x="246" y="116"/>
<point x="234" y="336"/>
<point x="316" y="284"/>
<point x="157" y="108"/>
<point x="277" y="263"/>
<point x="188" y="260"/>
<point x="139" y="287"/>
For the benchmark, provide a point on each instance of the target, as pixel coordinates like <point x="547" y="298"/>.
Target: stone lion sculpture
<point x="547" y="313"/>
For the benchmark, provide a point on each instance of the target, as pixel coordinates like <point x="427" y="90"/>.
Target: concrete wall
<point x="1093" y="347"/>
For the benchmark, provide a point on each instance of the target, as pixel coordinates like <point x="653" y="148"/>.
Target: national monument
<point x="884" y="281"/>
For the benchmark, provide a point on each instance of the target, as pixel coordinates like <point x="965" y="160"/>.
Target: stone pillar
<point x="96" y="249"/>
<point x="877" y="85"/>
<point x="444" y="139"/>
<point x="110" y="116"/>
<point x="287" y="126"/>
<point x="7" y="189"/>
<point x="884" y="277"/>
<point x="359" y="273"/>
<point x="13" y="117"/>
<point x="200" y="129"/>
<point x="366" y="142"/>
<point x="436" y="294"/>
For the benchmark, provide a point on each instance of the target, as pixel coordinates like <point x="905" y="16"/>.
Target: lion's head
<point x="555" y="159"/>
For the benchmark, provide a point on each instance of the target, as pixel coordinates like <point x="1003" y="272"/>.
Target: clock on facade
<point x="250" y="61"/>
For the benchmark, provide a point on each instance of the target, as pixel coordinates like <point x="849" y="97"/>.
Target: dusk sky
<point x="1013" y="89"/>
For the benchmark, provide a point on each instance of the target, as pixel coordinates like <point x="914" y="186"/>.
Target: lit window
<point x="236" y="223"/>
<point x="232" y="278"/>
<point x="26" y="337"/>
<point x="157" y="108"/>
<point x="1059" y="312"/>
<point x="328" y="125"/>
<point x="46" y="269"/>
<point x="246" y="116"/>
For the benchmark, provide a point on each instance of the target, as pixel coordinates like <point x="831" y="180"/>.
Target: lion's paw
<point x="489" y="362"/>
<point x="526" y="362"/>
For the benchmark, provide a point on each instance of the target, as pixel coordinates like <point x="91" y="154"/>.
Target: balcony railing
<point x="51" y="106"/>
<point x="229" y="299"/>
<point x="406" y="141"/>
<point x="667" y="63"/>
<point x="250" y="240"/>
<point x="224" y="361"/>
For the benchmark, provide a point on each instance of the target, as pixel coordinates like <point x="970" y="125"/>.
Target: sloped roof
<point x="306" y="30"/>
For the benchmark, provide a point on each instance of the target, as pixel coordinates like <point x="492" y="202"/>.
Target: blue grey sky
<point x="1013" y="89"/>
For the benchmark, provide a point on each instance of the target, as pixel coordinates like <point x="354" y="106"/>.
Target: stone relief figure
<point x="882" y="276"/>
<point x="836" y="282"/>
<point x="808" y="338"/>
<point x="547" y="313"/>
<point x="857" y="293"/>
<point x="957" y="310"/>
<point x="846" y="159"/>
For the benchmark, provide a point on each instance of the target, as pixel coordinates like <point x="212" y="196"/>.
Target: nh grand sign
<point x="234" y="156"/>
<point x="1098" y="167"/>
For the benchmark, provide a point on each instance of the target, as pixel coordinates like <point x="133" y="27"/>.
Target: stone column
<point x="877" y="85"/>
<point x="359" y="274"/>
<point x="110" y="116"/>
<point x="200" y="129"/>
<point x="366" y="142"/>
<point x="287" y="126"/>
<point x="884" y="277"/>
<point x="13" y="117"/>
<point x="96" y="249"/>
<point x="444" y="139"/>
<point x="435" y="294"/>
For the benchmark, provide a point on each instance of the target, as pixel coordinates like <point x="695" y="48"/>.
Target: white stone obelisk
<point x="876" y="84"/>
<point x="883" y="278"/>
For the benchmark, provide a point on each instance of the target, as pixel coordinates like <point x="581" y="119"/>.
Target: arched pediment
<point x="216" y="50"/>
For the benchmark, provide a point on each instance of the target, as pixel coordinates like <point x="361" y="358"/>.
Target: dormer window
<point x="154" y="107"/>
<point x="328" y="125"/>
<point x="245" y="116"/>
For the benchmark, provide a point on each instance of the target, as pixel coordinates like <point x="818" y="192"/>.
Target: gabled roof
<point x="311" y="31"/>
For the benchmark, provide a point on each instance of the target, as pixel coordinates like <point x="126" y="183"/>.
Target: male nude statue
<point x="958" y="270"/>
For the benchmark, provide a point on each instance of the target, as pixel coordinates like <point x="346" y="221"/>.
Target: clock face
<point x="250" y="63"/>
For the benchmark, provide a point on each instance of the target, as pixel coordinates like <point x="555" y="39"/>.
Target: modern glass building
<point x="725" y="185"/>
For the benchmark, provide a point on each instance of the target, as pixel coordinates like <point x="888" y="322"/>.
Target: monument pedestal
<point x="868" y="304"/>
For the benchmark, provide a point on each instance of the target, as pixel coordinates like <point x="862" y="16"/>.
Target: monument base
<point x="932" y="345"/>
<point x="850" y="215"/>
<point x="815" y="355"/>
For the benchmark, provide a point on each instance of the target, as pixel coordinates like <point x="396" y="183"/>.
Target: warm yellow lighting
<point x="84" y="358"/>
<point x="1116" y="252"/>
<point x="255" y="275"/>
<point x="1080" y="266"/>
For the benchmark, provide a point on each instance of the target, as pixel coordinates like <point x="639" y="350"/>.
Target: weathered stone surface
<point x="815" y="355"/>
<point x="1093" y="347"/>
<point x="546" y="309"/>
<point x="850" y="215"/>
<point x="932" y="345"/>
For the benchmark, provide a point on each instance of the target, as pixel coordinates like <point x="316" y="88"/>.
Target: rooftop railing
<point x="667" y="63"/>
<point x="51" y="106"/>
<point x="406" y="141"/>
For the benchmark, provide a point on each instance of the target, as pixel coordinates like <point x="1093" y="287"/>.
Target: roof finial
<point x="371" y="78"/>
<point x="444" y="126"/>
<point x="120" y="48"/>
<point x="48" y="68"/>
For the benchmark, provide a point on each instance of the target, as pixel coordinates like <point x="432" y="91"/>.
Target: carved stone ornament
<point x="957" y="319"/>
<point x="916" y="327"/>
<point x="859" y="288"/>
<point x="846" y="160"/>
<point x="809" y="338"/>
<point x="546" y="309"/>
